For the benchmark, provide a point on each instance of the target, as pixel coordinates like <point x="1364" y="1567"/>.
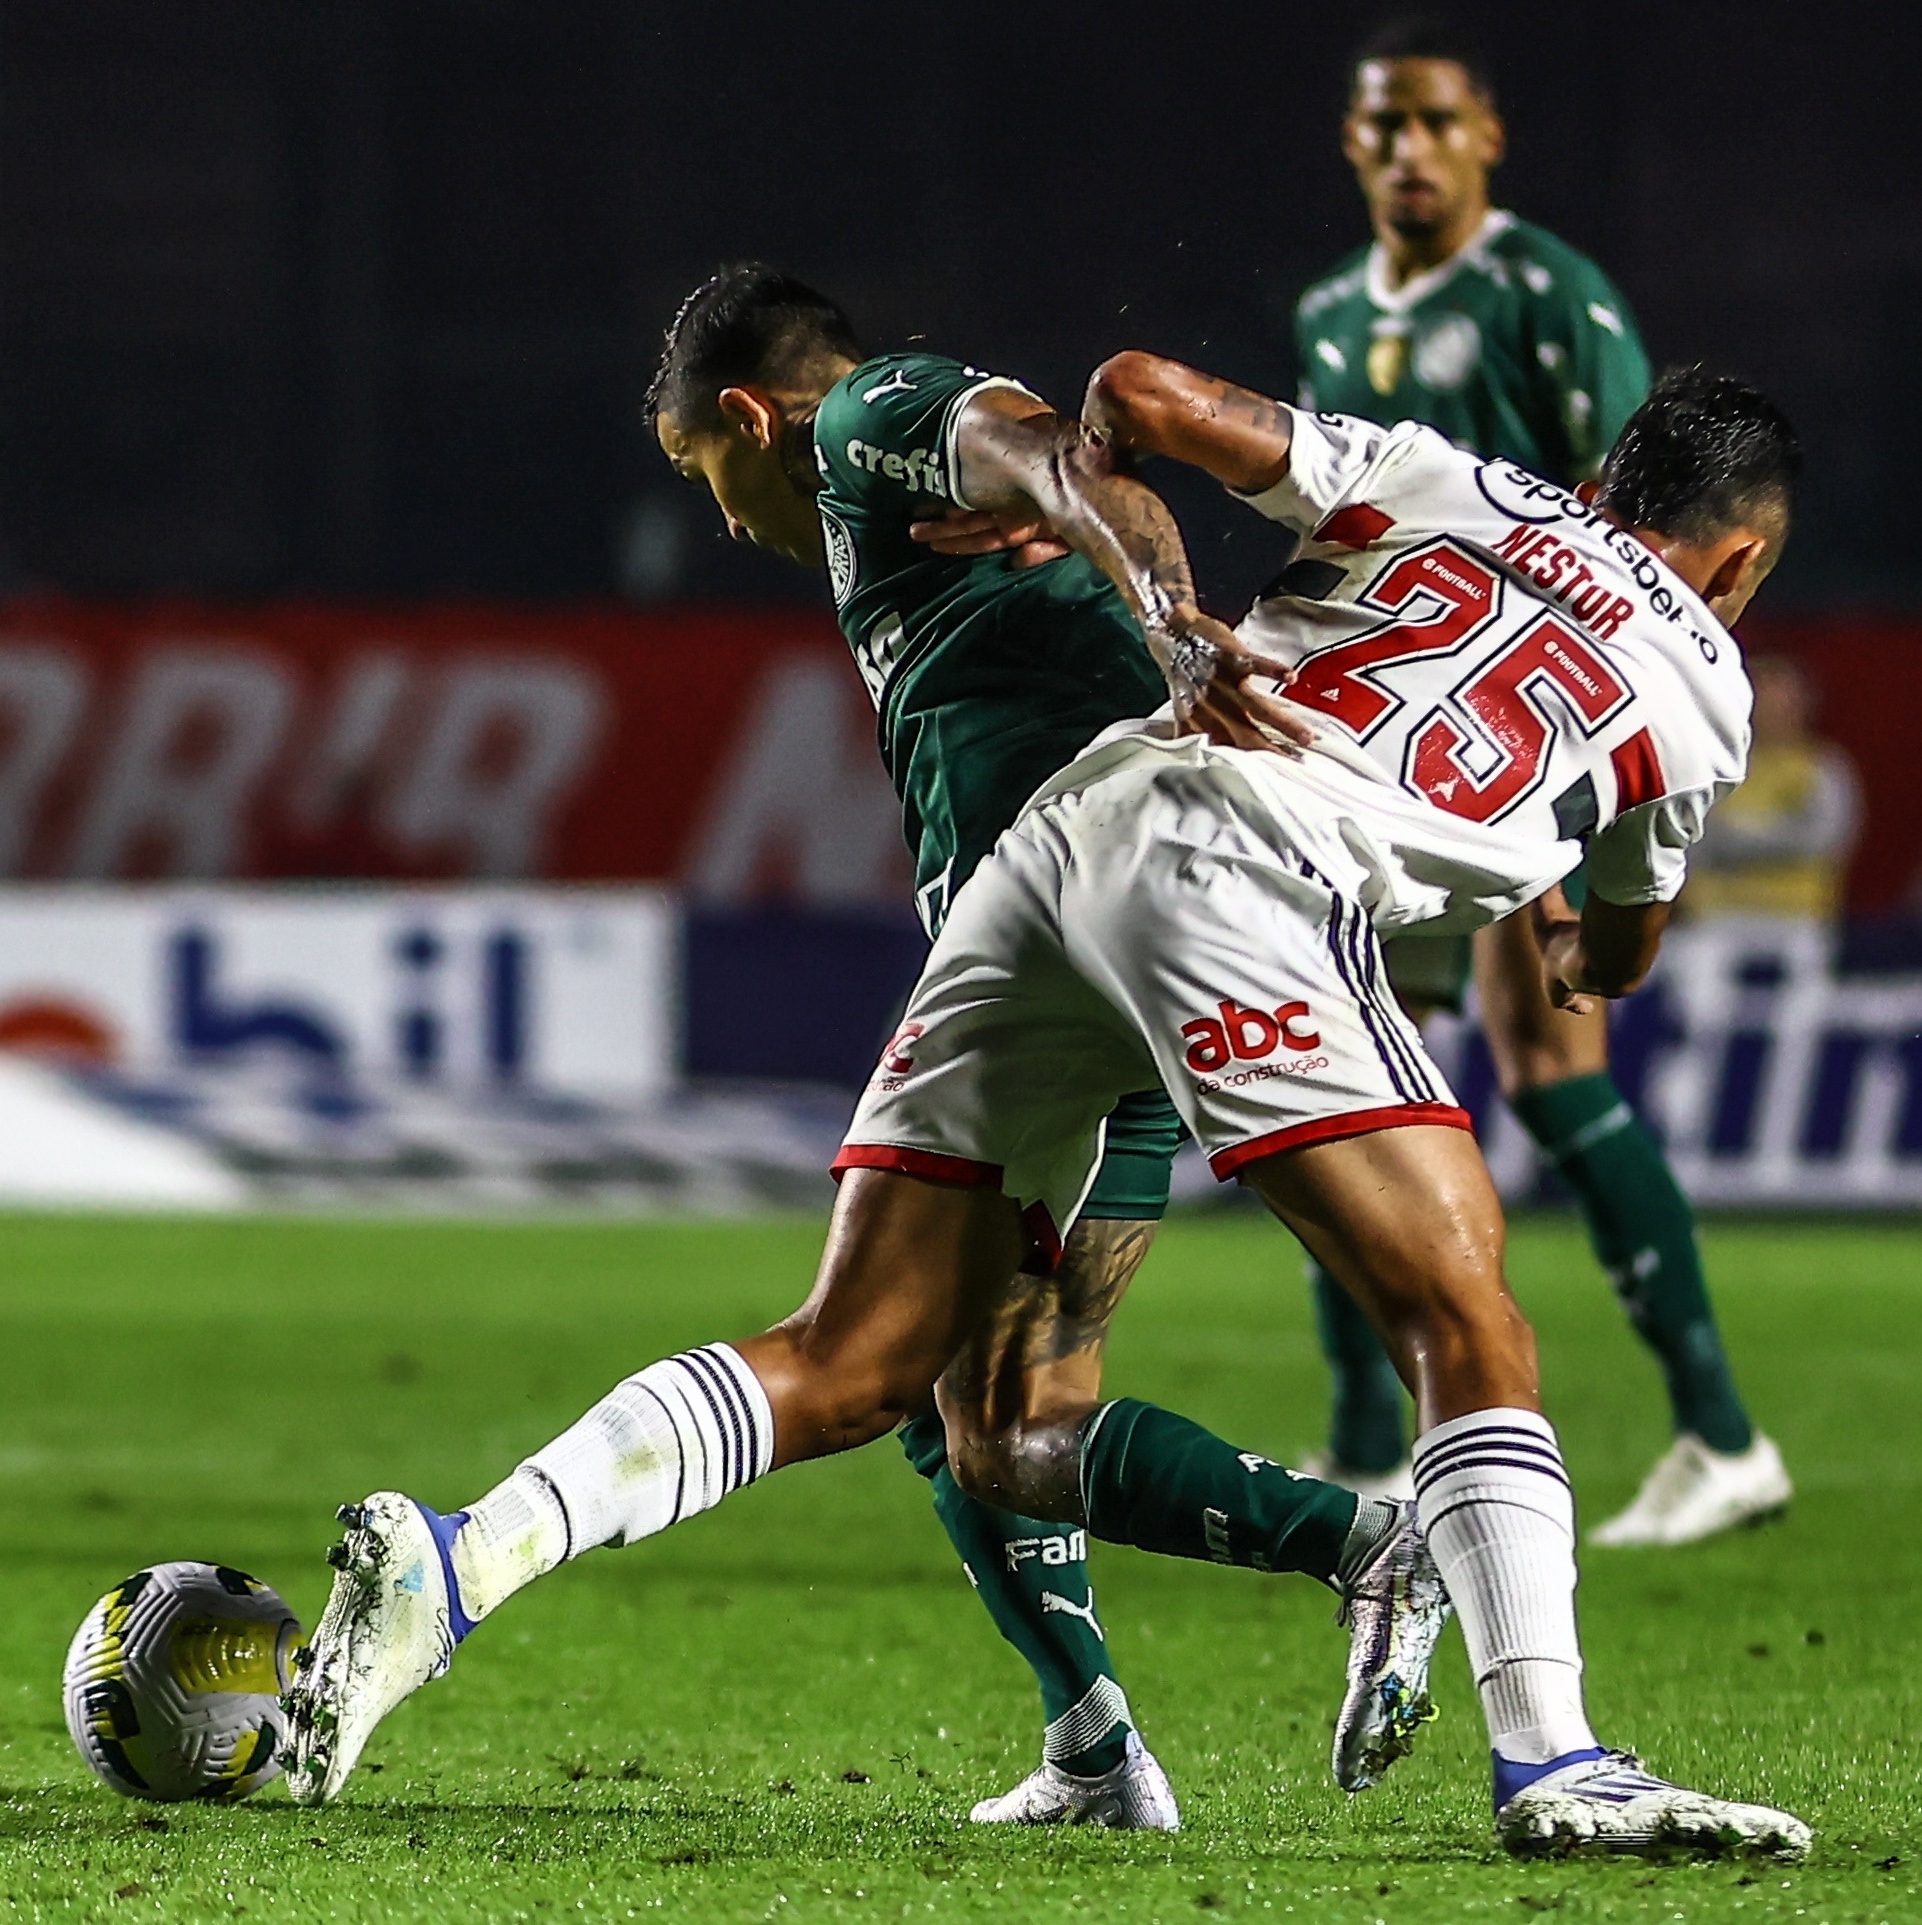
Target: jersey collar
<point x="1398" y="300"/>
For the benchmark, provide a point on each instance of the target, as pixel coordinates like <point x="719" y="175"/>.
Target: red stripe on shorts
<point x="1331" y="1129"/>
<point x="930" y="1165"/>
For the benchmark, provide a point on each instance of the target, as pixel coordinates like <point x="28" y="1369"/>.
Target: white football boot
<point x="1694" y="1492"/>
<point x="1393" y="1486"/>
<point x="1394" y="1608"/>
<point x="1134" y="1796"/>
<point x="1608" y="1803"/>
<point x="391" y="1625"/>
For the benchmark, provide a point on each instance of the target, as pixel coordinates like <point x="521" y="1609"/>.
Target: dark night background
<point x="349" y="299"/>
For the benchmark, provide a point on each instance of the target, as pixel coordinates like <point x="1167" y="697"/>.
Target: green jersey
<point x="1519" y="348"/>
<point x="987" y="678"/>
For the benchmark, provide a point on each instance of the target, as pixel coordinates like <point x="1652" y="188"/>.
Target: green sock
<point x="1033" y="1577"/>
<point x="1154" y="1479"/>
<point x="1643" y="1230"/>
<point x="1364" y="1432"/>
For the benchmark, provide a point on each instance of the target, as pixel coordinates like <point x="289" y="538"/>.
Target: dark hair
<point x="748" y="323"/>
<point x="1703" y="455"/>
<point x="1422" y="36"/>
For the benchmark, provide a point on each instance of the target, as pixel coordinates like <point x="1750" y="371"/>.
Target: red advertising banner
<point x="730" y="751"/>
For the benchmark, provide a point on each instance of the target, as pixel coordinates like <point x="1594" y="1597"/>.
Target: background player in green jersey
<point x="989" y="676"/>
<point x="1482" y="325"/>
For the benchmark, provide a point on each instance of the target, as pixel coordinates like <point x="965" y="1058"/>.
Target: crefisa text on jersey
<point x="1527" y="498"/>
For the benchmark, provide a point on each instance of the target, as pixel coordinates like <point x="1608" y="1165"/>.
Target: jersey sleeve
<point x="1330" y="457"/>
<point x="886" y="435"/>
<point x="1642" y="856"/>
<point x="1592" y="371"/>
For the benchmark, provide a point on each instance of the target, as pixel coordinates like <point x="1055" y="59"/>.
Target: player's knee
<point x="1033" y="1468"/>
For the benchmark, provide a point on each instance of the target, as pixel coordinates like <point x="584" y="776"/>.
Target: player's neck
<point x="1409" y="255"/>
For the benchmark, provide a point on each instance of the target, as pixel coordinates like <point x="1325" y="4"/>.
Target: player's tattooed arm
<point x="1606" y="951"/>
<point x="1017" y="458"/>
<point x="1144" y="404"/>
<point x="1150" y="405"/>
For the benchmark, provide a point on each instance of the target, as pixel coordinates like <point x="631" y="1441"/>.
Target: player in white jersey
<point x="1205" y="914"/>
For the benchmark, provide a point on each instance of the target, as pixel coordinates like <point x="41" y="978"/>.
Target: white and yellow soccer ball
<point x="174" y="1679"/>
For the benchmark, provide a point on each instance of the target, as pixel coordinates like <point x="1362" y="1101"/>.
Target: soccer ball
<point x="174" y="1680"/>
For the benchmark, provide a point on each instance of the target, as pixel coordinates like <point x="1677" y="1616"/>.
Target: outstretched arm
<point x="1143" y="404"/>
<point x="1016" y="458"/>
<point x="1151" y="405"/>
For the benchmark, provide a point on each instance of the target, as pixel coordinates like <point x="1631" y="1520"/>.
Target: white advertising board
<point x="562" y="990"/>
<point x="1773" y="1080"/>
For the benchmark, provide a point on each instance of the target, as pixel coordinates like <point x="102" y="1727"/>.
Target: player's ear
<point x="1737" y="566"/>
<point x="1494" y="136"/>
<point x="751" y="412"/>
<point x="1586" y="491"/>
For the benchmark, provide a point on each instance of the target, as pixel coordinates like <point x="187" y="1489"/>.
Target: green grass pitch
<point x="783" y="1710"/>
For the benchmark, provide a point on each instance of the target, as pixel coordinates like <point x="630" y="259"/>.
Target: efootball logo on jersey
<point x="842" y="565"/>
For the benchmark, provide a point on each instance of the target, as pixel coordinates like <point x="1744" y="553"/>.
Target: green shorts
<point x="1429" y="972"/>
<point x="1143" y="1135"/>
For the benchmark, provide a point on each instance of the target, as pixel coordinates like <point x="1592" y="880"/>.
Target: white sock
<point x="1496" y="1509"/>
<point x="664" y="1445"/>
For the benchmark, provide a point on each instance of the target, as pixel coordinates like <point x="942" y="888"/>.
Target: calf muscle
<point x="1408" y="1222"/>
<point x="909" y="1270"/>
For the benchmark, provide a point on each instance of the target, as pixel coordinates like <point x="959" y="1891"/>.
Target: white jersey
<point x="1504" y="681"/>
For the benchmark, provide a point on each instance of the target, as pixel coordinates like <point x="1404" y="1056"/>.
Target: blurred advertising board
<point x="733" y="752"/>
<point x="1772" y="1079"/>
<point x="563" y="990"/>
<point x="730" y="751"/>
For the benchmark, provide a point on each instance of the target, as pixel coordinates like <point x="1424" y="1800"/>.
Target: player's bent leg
<point x="1042" y="1342"/>
<point x="1144" y="1476"/>
<point x="909" y="1268"/>
<point x="1554" y="1072"/>
<point x="1409" y="1220"/>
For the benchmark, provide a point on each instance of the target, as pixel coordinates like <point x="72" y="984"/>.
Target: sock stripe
<point x="1438" y="1463"/>
<point x="1450" y="1505"/>
<point x="1087" y="1721"/>
<point x="749" y="1401"/>
<point x="1609" y="1123"/>
<point x="727" y="1423"/>
<point x="1431" y="1446"/>
<point x="1431" y="1442"/>
<point x="1519" y="1451"/>
<point x="724" y="1399"/>
<point x="1484" y="1465"/>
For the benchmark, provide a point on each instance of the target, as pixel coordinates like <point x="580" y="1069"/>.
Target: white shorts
<point x="1160" y="924"/>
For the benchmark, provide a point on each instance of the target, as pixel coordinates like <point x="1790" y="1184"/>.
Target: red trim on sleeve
<point x="1331" y="1129"/>
<point x="1356" y="526"/>
<point x="1638" y="773"/>
<point x="930" y="1165"/>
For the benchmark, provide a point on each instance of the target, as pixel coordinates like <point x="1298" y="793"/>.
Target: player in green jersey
<point x="1490" y="329"/>
<point x="989" y="676"/>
